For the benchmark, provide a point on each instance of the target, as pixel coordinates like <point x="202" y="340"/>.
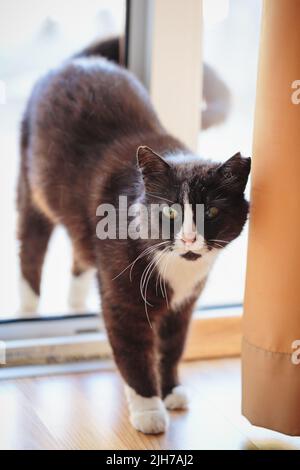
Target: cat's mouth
<point x="191" y="256"/>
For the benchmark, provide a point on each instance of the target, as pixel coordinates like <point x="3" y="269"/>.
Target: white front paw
<point x="150" y="421"/>
<point x="178" y="399"/>
<point x="147" y="415"/>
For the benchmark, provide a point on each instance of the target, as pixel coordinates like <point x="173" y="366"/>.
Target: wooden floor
<point x="87" y="411"/>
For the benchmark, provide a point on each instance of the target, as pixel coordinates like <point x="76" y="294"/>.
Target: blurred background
<point x="35" y="36"/>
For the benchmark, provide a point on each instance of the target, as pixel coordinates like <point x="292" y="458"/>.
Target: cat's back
<point x="75" y="114"/>
<point x="88" y="101"/>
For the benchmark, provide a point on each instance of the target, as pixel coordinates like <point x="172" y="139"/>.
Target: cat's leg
<point x="81" y="280"/>
<point x="133" y="344"/>
<point x="172" y="335"/>
<point x="34" y="231"/>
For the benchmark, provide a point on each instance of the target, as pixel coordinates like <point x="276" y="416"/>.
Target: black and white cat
<point x="89" y="136"/>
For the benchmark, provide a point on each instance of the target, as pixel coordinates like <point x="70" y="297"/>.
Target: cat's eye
<point x="212" y="212"/>
<point x="170" y="212"/>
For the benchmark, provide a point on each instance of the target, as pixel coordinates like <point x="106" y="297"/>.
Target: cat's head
<point x="201" y="202"/>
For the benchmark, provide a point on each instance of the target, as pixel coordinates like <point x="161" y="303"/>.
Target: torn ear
<point x="150" y="163"/>
<point x="234" y="173"/>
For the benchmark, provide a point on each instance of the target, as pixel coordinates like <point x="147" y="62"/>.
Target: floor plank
<point x="21" y="427"/>
<point x="88" y="411"/>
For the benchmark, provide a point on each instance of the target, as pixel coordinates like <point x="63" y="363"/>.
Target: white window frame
<point x="165" y="52"/>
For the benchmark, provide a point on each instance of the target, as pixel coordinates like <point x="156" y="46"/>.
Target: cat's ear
<point x="234" y="173"/>
<point x="150" y="163"/>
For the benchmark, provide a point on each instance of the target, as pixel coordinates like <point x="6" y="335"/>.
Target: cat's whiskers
<point x="143" y="280"/>
<point x="164" y="271"/>
<point x="158" y="277"/>
<point x="145" y="252"/>
<point x="144" y="295"/>
<point x="147" y="273"/>
<point x="164" y="280"/>
<point x="159" y="280"/>
<point x="147" y="270"/>
<point x="217" y="245"/>
<point x="215" y="240"/>
<point x="219" y="198"/>
<point x="157" y="196"/>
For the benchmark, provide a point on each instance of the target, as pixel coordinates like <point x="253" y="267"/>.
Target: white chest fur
<point x="183" y="275"/>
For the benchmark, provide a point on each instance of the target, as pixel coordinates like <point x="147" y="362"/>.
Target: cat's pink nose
<point x="189" y="238"/>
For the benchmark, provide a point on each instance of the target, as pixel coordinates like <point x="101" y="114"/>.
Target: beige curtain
<point x="270" y="362"/>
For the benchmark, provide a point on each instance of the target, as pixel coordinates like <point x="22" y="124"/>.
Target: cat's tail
<point x="110" y="49"/>
<point x="217" y="98"/>
<point x="216" y="93"/>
